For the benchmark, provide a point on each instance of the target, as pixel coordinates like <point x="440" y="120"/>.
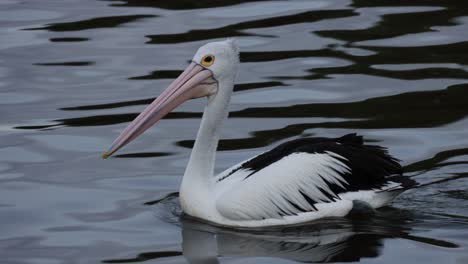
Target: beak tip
<point x="105" y="155"/>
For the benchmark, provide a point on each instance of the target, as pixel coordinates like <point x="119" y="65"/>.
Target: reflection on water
<point x="73" y="74"/>
<point x="360" y="235"/>
<point x="235" y="30"/>
<point x="181" y="4"/>
<point x="101" y="22"/>
<point x="329" y="240"/>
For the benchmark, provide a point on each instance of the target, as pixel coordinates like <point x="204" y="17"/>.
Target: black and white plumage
<point x="310" y="178"/>
<point x="298" y="181"/>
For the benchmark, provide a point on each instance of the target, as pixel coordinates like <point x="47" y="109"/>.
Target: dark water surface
<point x="73" y="73"/>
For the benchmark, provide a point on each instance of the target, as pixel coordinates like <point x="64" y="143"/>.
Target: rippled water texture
<point x="73" y="73"/>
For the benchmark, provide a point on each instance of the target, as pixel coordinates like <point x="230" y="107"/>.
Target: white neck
<point x="198" y="182"/>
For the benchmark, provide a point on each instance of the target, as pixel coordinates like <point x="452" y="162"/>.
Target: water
<point x="74" y="73"/>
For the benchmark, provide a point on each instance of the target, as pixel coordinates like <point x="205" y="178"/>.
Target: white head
<point x="221" y="58"/>
<point x="211" y="74"/>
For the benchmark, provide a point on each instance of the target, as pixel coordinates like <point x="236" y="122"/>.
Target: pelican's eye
<point x="208" y="60"/>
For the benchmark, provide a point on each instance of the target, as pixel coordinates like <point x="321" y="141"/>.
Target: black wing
<point x="371" y="166"/>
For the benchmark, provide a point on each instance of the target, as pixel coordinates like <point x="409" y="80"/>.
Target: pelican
<point x="296" y="182"/>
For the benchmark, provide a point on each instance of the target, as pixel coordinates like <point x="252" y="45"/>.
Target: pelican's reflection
<point x="324" y="241"/>
<point x="360" y="235"/>
<point x="328" y="240"/>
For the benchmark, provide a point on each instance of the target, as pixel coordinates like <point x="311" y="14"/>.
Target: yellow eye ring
<point x="208" y="60"/>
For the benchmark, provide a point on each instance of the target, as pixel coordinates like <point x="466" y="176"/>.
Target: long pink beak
<point x="187" y="86"/>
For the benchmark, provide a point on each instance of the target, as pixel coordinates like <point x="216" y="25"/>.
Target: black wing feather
<point x="371" y="166"/>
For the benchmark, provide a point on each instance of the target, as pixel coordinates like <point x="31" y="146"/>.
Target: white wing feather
<point x="275" y="190"/>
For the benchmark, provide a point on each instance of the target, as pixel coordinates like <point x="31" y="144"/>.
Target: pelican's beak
<point x="194" y="82"/>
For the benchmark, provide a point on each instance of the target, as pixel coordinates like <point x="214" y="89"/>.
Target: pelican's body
<point x="298" y="181"/>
